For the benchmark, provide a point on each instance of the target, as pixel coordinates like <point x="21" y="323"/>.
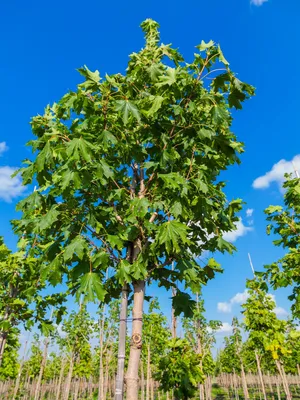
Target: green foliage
<point x="10" y="363"/>
<point x="285" y="222"/>
<point x="179" y="369"/>
<point x="135" y="159"/>
<point x="77" y="331"/>
<point x="200" y="334"/>
<point x="156" y="334"/>
<point x="32" y="366"/>
<point x="266" y="331"/>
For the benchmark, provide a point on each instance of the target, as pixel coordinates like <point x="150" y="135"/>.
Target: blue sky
<point x="43" y="44"/>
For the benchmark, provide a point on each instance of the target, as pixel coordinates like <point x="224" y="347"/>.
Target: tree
<point x="179" y="369"/>
<point x="266" y="331"/>
<point x="128" y="169"/>
<point x="21" y="284"/>
<point x="10" y="363"/>
<point x="200" y="333"/>
<point x="285" y="222"/>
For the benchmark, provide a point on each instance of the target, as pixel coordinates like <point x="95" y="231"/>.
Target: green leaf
<point x="219" y="114"/>
<point x="127" y="109"/>
<point x="273" y="209"/>
<point x="48" y="219"/>
<point x="123" y="272"/>
<point x="107" y="137"/>
<point x="221" y="57"/>
<point x="77" y="246"/>
<point x="168" y="79"/>
<point x="92" y="288"/>
<point x="155" y="70"/>
<point x="204" y="46"/>
<point x="44" y="157"/>
<point x="79" y="147"/>
<point x="171" y="234"/>
<point x="156" y="104"/>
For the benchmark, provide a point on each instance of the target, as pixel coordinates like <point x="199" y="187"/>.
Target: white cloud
<point x="258" y="2"/>
<point x="239" y="298"/>
<point x="249" y="212"/>
<point x="225" y="328"/>
<point x="276" y="174"/>
<point x="224" y="307"/>
<point x="10" y="187"/>
<point x="241" y="230"/>
<point x="3" y="148"/>
<point x="280" y="311"/>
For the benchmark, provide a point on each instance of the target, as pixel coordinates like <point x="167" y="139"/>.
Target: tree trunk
<point x="69" y="378"/>
<point x="142" y="382"/>
<point x="122" y="344"/>
<point x="244" y="382"/>
<point x="101" y="375"/>
<point x="39" y="381"/>
<point x="148" y="373"/>
<point x="132" y="376"/>
<point x="260" y="376"/>
<point x="61" y="374"/>
<point x="283" y="379"/>
<point x="174" y="319"/>
<point x="20" y="372"/>
<point x="2" y="345"/>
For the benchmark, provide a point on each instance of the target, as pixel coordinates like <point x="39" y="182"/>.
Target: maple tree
<point x="127" y="169"/>
<point x="285" y="222"/>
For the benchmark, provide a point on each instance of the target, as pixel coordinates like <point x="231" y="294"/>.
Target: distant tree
<point x="179" y="370"/>
<point x="267" y="333"/>
<point x="285" y="222"/>
<point x="10" y="363"/>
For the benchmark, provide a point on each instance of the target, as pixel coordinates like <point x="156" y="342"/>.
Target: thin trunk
<point x="142" y="382"/>
<point x="61" y="374"/>
<point x="69" y="378"/>
<point x="132" y="377"/>
<point x="283" y="379"/>
<point x="260" y="376"/>
<point x="148" y="373"/>
<point x="3" y="340"/>
<point x="20" y="372"/>
<point x="122" y="344"/>
<point x="244" y="381"/>
<point x="101" y="375"/>
<point x="39" y="381"/>
<point x="174" y="319"/>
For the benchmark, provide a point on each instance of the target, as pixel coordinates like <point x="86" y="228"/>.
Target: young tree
<point x="285" y="222"/>
<point x="128" y="173"/>
<point x="267" y="333"/>
<point x="201" y="335"/>
<point x="10" y="362"/>
<point x="179" y="370"/>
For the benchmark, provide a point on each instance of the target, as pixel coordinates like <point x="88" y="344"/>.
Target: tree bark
<point x="3" y="340"/>
<point x="39" y="381"/>
<point x="101" y="375"/>
<point x="132" y="377"/>
<point x="244" y="381"/>
<point x="20" y="372"/>
<point x="283" y="379"/>
<point x="174" y="319"/>
<point x="260" y="376"/>
<point x="122" y="344"/>
<point x="148" y="373"/>
<point x="69" y="378"/>
<point x="61" y="374"/>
